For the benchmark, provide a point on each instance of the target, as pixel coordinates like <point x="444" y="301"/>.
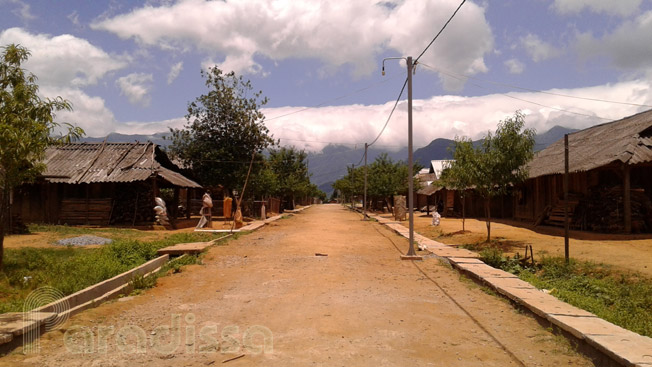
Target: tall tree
<point x="498" y="163"/>
<point x="27" y="127"/>
<point x="459" y="174"/>
<point x="292" y="171"/>
<point x="224" y="128"/>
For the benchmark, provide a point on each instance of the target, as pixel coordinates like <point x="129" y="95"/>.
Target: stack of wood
<point x="603" y="211"/>
<point x="132" y="206"/>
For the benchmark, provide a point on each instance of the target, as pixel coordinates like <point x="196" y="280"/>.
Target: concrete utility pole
<point x="352" y="183"/>
<point x="364" y="199"/>
<point x="411" y="255"/>
<point x="411" y="252"/>
<point x="566" y="244"/>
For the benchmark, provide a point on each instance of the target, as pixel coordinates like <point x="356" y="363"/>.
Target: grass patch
<point x="140" y="283"/>
<point x="624" y="299"/>
<point x="70" y="269"/>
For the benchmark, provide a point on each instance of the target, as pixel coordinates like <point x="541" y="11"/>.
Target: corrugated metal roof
<point x="628" y="140"/>
<point x="110" y="162"/>
<point x="429" y="189"/>
<point x="437" y="166"/>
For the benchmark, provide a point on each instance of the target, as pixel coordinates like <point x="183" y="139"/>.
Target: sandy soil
<point x="624" y="252"/>
<point x="358" y="306"/>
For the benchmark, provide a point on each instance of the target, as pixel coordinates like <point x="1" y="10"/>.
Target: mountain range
<point x="331" y="163"/>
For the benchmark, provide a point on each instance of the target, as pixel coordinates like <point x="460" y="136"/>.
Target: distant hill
<point x="555" y="133"/>
<point x="157" y="138"/>
<point x="330" y="164"/>
<point x="438" y="148"/>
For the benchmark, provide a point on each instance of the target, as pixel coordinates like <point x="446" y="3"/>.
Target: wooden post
<point x="566" y="242"/>
<point x="175" y="203"/>
<point x="189" y="192"/>
<point x="88" y="209"/>
<point x="627" y="199"/>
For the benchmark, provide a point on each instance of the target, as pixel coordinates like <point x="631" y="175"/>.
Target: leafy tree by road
<point x="224" y="128"/>
<point x="27" y="127"/>
<point x="289" y="165"/>
<point x="497" y="164"/>
<point x="385" y="178"/>
<point x="459" y="174"/>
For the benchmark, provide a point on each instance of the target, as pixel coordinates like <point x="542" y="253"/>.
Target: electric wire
<point x="441" y="30"/>
<point x="390" y="114"/>
<point x="358" y="91"/>
<point x="520" y="99"/>
<point x="534" y="90"/>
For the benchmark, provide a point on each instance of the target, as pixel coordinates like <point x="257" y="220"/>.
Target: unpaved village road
<point x="359" y="306"/>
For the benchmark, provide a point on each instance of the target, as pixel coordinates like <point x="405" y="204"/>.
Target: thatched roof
<point x="628" y="140"/>
<point x="111" y="162"/>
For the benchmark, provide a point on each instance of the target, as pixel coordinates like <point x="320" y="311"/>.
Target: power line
<point x="521" y="99"/>
<point x="390" y="114"/>
<point x="441" y="30"/>
<point x="337" y="143"/>
<point x="536" y="90"/>
<point x="358" y="91"/>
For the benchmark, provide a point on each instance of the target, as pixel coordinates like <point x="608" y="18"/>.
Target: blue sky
<point x="132" y="67"/>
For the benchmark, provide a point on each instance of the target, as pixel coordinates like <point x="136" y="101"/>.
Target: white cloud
<point x="450" y="116"/>
<point x="537" y="49"/>
<point x="437" y="117"/>
<point x="90" y="113"/>
<point x="63" y="60"/>
<point x="514" y="66"/>
<point x="175" y="70"/>
<point x="628" y="47"/>
<point x="65" y="65"/>
<point x="611" y="7"/>
<point x="135" y="87"/>
<point x="74" y="18"/>
<point x="337" y="33"/>
<point x="22" y="10"/>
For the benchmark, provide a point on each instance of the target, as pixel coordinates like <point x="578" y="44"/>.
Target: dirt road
<point x="268" y="297"/>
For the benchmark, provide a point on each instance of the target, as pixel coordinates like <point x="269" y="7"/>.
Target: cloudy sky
<point x="133" y="66"/>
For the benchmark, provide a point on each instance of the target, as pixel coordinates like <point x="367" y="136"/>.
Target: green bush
<point x="70" y="269"/>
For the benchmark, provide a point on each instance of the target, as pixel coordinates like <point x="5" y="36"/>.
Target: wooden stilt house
<point x="100" y="184"/>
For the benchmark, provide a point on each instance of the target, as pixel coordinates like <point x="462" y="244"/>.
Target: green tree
<point x="386" y="178"/>
<point x="264" y="182"/>
<point x="224" y="128"/>
<point x="27" y="128"/>
<point x="500" y="161"/>
<point x="292" y="171"/>
<point x="458" y="175"/>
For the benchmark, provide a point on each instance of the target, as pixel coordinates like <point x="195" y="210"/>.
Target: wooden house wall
<point x="94" y="204"/>
<point x="534" y="195"/>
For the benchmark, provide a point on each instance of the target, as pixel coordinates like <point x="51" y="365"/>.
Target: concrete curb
<point x="17" y="323"/>
<point x="622" y="346"/>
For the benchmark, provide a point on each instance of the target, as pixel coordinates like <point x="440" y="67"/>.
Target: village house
<point x="101" y="184"/>
<point x="610" y="179"/>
